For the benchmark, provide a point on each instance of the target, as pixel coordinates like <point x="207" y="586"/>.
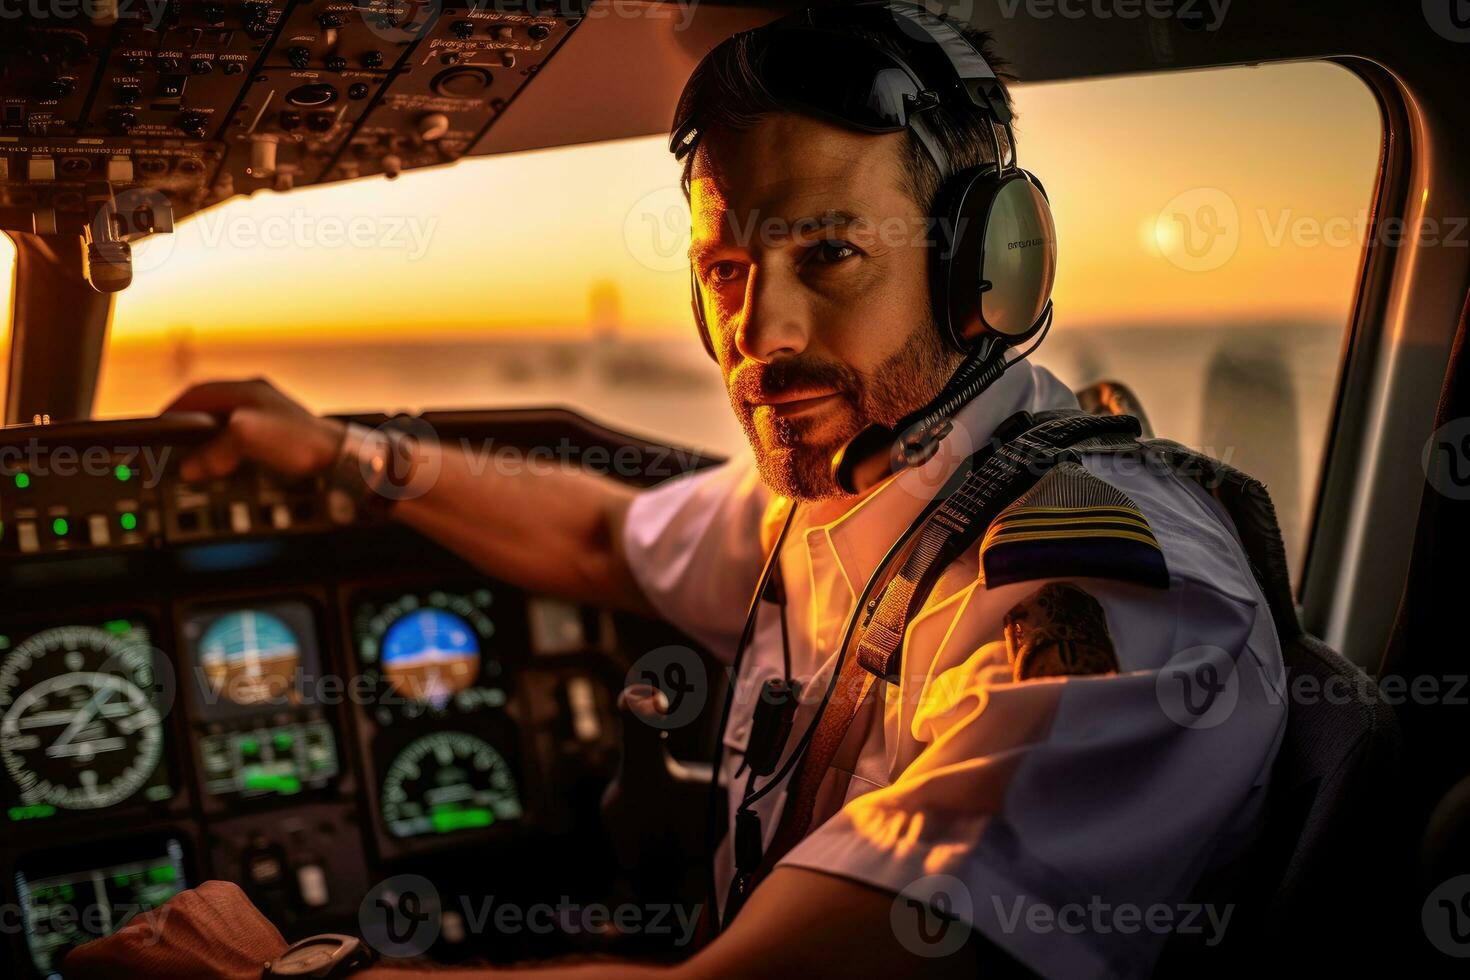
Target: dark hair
<point x="726" y="92"/>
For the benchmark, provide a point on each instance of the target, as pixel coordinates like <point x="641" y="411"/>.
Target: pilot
<point x="1035" y="786"/>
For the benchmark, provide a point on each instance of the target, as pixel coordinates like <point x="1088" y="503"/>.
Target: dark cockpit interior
<point x="245" y="678"/>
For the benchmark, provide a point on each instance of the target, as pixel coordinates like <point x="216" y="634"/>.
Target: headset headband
<point x="942" y="63"/>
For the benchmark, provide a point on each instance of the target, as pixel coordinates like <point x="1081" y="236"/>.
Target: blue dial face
<point x="250" y="656"/>
<point x="430" y="654"/>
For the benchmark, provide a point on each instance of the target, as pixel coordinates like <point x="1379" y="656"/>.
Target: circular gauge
<point x="78" y="731"/>
<point x="430" y="655"/>
<point x="250" y="657"/>
<point x="445" y="782"/>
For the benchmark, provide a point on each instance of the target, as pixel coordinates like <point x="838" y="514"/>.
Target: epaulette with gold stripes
<point x="1072" y="524"/>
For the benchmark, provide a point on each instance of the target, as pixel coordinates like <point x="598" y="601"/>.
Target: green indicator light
<point x="461" y="820"/>
<point x="123" y="472"/>
<point x="22" y="480"/>
<point x="119" y="626"/>
<point x="161" y="874"/>
<point x="285" y="785"/>
<point x="33" y="812"/>
<point x="59" y="527"/>
<point x="249" y="746"/>
<point x="129" y="522"/>
<point x="283" y="742"/>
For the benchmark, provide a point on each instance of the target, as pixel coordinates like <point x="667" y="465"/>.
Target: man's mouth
<point x="789" y="404"/>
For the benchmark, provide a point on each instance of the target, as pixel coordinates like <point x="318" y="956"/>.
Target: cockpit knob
<point x="392" y="166"/>
<point x="433" y="126"/>
<point x="262" y="156"/>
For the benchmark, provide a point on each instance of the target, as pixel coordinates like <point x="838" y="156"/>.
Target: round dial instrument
<point x="445" y="782"/>
<point x="250" y="657"/>
<point x="431" y="655"/>
<point x="78" y="728"/>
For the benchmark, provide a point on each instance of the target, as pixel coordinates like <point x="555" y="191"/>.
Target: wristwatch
<point x="371" y="470"/>
<point x="327" y="955"/>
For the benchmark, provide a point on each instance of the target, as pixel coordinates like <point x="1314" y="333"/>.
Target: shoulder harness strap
<point x="1023" y="450"/>
<point x="1026" y="454"/>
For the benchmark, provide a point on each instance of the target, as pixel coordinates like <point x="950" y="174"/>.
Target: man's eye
<point x="723" y="272"/>
<point x="831" y="251"/>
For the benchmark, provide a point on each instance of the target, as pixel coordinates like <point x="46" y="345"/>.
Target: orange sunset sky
<point x="518" y="243"/>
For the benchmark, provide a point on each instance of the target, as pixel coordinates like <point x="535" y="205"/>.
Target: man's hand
<point x="212" y="932"/>
<point x="263" y="426"/>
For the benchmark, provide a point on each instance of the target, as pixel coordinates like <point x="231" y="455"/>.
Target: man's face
<point x="811" y="264"/>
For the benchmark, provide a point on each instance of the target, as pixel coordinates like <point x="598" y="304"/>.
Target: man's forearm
<point x="547" y="528"/>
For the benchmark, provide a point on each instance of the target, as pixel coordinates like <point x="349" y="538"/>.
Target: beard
<point x="794" y="455"/>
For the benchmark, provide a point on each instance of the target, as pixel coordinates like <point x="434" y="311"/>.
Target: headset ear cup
<point x="995" y="263"/>
<point x="697" y="302"/>
<point x="1020" y="258"/>
<point x="955" y="306"/>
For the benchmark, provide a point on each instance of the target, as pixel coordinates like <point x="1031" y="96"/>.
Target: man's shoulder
<point x="1115" y="517"/>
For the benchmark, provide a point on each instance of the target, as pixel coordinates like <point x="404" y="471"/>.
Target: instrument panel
<point x="81" y="720"/>
<point x="117" y="119"/>
<point x="77" y="898"/>
<point x="257" y="723"/>
<point x="299" y="704"/>
<point x="439" y="730"/>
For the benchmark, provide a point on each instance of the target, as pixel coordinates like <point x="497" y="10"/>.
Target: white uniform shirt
<point x="1066" y="819"/>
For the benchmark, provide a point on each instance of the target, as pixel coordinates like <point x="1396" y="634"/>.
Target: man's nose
<point x="774" y="322"/>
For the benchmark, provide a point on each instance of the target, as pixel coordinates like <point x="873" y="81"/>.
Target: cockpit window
<point x="1211" y="226"/>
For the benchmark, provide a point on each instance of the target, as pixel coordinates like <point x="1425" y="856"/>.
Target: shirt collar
<point x="862" y="536"/>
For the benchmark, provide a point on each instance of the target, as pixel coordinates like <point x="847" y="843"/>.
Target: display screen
<point x="82" y="720"/>
<point x="63" y="910"/>
<point x="282" y="760"/>
<point x="432" y="654"/>
<point x="252" y="659"/>
<point x="257" y="675"/>
<point x="445" y="782"/>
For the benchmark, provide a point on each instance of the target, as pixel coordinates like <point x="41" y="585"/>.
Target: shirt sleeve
<point x="693" y="544"/>
<point x="1068" y="819"/>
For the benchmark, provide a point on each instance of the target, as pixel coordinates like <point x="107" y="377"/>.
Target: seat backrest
<point x="1309" y="876"/>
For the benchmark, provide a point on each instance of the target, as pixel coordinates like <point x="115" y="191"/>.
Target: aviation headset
<point x="992" y="251"/>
